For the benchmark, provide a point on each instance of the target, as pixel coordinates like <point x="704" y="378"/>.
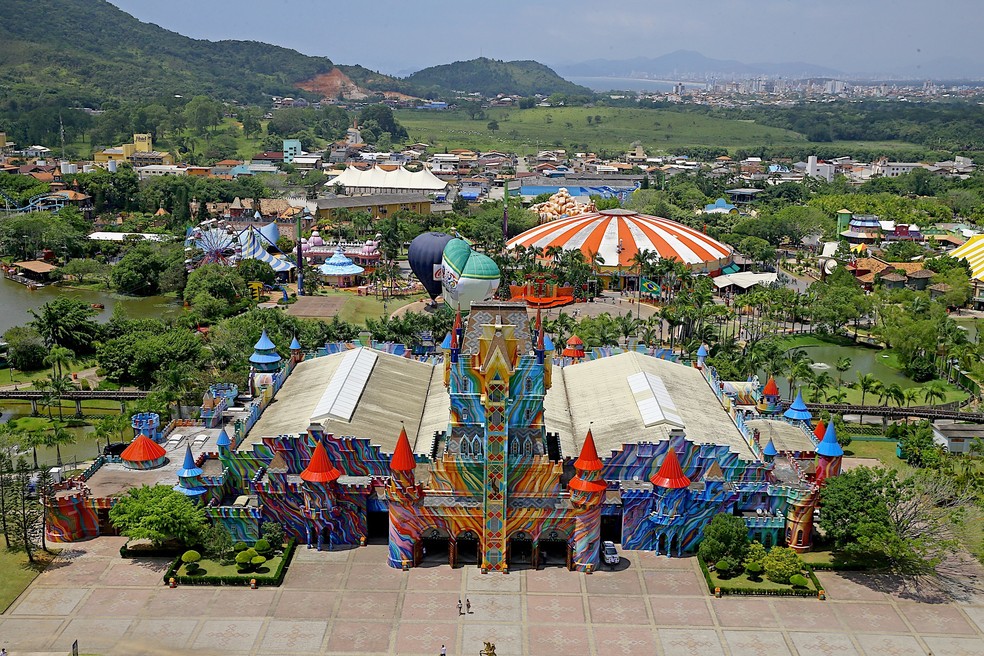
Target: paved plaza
<point x="349" y="603"/>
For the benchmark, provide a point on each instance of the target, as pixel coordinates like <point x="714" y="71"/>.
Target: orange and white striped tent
<point x="618" y="234"/>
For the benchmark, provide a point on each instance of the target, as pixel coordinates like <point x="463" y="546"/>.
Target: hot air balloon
<point x="425" y="260"/>
<point x="468" y="276"/>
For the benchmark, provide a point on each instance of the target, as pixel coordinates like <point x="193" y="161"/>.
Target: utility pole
<point x="300" y="255"/>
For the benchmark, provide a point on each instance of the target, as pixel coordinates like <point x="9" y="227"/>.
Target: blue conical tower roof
<point x="294" y="344"/>
<point x="223" y="438"/>
<point x="828" y="446"/>
<point x="189" y="477"/>
<point x="264" y="343"/>
<point x="189" y="468"/>
<point x="770" y="449"/>
<point x="798" y="410"/>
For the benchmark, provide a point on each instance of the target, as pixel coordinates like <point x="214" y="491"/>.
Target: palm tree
<point x="58" y="386"/>
<point x="57" y="437"/>
<point x="934" y="391"/>
<point x="820" y="384"/>
<point x="174" y="384"/>
<point x="795" y="362"/>
<point x="57" y="357"/>
<point x="842" y="365"/>
<point x="894" y="392"/>
<point x="866" y="383"/>
<point x="838" y="395"/>
<point x="34" y="439"/>
<point x="911" y="394"/>
<point x="627" y="326"/>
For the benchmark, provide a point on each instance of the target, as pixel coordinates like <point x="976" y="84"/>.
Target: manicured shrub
<point x="256" y="561"/>
<point x="239" y="546"/>
<point x="245" y="556"/>
<point x="754" y="571"/>
<point x="273" y="532"/>
<point x="190" y="558"/>
<point x="723" y="568"/>
<point x="262" y="547"/>
<point x="780" y="564"/>
<point x="799" y="581"/>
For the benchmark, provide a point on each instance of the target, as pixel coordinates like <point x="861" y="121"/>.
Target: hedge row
<point x="758" y="592"/>
<point x="274" y="579"/>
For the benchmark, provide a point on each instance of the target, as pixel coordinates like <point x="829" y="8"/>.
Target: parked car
<point x="114" y="449"/>
<point x="610" y="553"/>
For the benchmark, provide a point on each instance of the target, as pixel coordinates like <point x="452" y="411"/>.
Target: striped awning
<point x="972" y="251"/>
<point x="253" y="247"/>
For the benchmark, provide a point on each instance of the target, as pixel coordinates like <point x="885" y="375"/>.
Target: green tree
<point x="25" y="349"/>
<point x="58" y="437"/>
<point x="780" y="564"/>
<point x="250" y="119"/>
<point x="202" y="113"/>
<point x="250" y="270"/>
<point x="174" y="383"/>
<point x="725" y="538"/>
<point x="82" y="268"/>
<point x="59" y="356"/>
<point x="159" y="514"/>
<point x="493" y="126"/>
<point x="66" y="322"/>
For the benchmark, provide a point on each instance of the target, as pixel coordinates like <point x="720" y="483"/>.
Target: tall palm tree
<point x="57" y="357"/>
<point x="627" y="326"/>
<point x="838" y="395"/>
<point x="58" y="437"/>
<point x="820" y="384"/>
<point x="793" y="364"/>
<point x="842" y="365"/>
<point x="58" y="386"/>
<point x="894" y="392"/>
<point x="866" y="383"/>
<point x="34" y="439"/>
<point x="910" y="394"/>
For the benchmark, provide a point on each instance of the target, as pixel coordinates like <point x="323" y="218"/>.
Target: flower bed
<point x="210" y="572"/>
<point x="742" y="585"/>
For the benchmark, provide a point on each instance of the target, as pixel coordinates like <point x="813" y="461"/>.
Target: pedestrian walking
<point x="459" y="607"/>
<point x="444" y="651"/>
<point x="468" y="606"/>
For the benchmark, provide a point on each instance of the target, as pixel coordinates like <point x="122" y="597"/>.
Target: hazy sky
<point x="399" y="36"/>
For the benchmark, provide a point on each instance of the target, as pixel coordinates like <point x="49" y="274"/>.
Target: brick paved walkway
<point x="349" y="603"/>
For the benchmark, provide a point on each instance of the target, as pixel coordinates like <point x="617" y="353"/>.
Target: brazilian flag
<point x="649" y="286"/>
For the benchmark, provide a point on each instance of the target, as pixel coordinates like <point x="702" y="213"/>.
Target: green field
<point x="526" y="130"/>
<point x="16" y="573"/>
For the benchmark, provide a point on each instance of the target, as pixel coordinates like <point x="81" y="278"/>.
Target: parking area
<point x="350" y="603"/>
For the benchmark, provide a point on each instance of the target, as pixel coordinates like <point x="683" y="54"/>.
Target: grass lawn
<point x="883" y="451"/>
<point x="213" y="568"/>
<point x="16" y="573"/>
<point x="358" y="308"/>
<point x="23" y="378"/>
<point x="970" y="532"/>
<point x="742" y="581"/>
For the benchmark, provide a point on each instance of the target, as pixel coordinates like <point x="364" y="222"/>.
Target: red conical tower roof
<point x="670" y="475"/>
<point x="771" y="389"/>
<point x="402" y="459"/>
<point x="819" y="431"/>
<point x="143" y="449"/>
<point x="588" y="460"/>
<point x="575" y="341"/>
<point x="320" y="469"/>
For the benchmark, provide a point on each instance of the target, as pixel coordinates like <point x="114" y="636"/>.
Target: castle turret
<point x="670" y="489"/>
<point x="798" y="411"/>
<point x="770" y="451"/>
<point x="820" y="430"/>
<point x="587" y="493"/>
<point x="296" y="352"/>
<point x="319" y="497"/>
<point x="574" y="349"/>
<point x="404" y="495"/>
<point x="701" y="356"/>
<point x="829" y="455"/>
<point x="769" y="402"/>
<point x="190" y="477"/>
<point x="265" y="358"/>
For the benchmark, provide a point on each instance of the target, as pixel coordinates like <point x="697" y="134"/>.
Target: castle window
<point x="528" y="385"/>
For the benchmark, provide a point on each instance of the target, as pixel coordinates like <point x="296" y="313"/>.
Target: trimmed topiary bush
<point x="781" y="563"/>
<point x="799" y="581"/>
<point x="190" y="558"/>
<point x="239" y="546"/>
<point x="754" y="571"/>
<point x="262" y="547"/>
<point x="723" y="568"/>
<point x="257" y="561"/>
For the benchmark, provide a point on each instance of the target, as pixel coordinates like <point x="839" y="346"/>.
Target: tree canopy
<point x="159" y="514"/>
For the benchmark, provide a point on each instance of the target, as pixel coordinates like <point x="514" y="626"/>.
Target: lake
<point x="863" y="359"/>
<point x="17" y="299"/>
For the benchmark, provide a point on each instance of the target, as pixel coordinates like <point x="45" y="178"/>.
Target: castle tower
<point x="574" y="349"/>
<point x="820" y="430"/>
<point x="587" y="492"/>
<point x="319" y="497"/>
<point x="701" y="356"/>
<point x="296" y="352"/>
<point x="769" y="403"/>
<point x="190" y="477"/>
<point x="829" y="455"/>
<point x="670" y="489"/>
<point x="798" y="411"/>
<point x="404" y="495"/>
<point x="770" y="452"/>
<point x="799" y="521"/>
<point x="265" y="358"/>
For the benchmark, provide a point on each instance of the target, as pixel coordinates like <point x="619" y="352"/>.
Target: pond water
<point x="17" y="299"/>
<point x="863" y="359"/>
<point x="85" y="447"/>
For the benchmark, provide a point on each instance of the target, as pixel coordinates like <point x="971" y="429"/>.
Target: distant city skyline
<point x="399" y="37"/>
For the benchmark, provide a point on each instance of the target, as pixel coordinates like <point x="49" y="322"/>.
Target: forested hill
<point x="490" y="76"/>
<point x="86" y="51"/>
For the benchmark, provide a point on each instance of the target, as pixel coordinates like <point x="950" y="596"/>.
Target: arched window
<point x="528" y="385"/>
<point x="476" y="446"/>
<point x="527" y="446"/>
<point x="799" y="538"/>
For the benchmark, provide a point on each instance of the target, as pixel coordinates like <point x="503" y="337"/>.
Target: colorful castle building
<point x="499" y="452"/>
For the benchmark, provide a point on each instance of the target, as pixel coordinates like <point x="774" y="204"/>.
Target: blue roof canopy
<point x="770" y="449"/>
<point x="264" y="343"/>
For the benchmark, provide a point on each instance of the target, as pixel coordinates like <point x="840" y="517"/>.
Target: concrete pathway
<point x="349" y="603"/>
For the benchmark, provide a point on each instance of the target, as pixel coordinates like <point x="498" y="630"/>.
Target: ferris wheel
<point x="212" y="242"/>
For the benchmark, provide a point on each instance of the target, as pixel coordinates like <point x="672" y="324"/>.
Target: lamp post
<point x="24" y="239"/>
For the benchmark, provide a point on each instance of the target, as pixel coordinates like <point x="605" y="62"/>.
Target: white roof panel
<point x="342" y="394"/>
<point x="653" y="400"/>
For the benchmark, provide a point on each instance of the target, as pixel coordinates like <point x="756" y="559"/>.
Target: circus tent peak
<point x="143" y="449"/>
